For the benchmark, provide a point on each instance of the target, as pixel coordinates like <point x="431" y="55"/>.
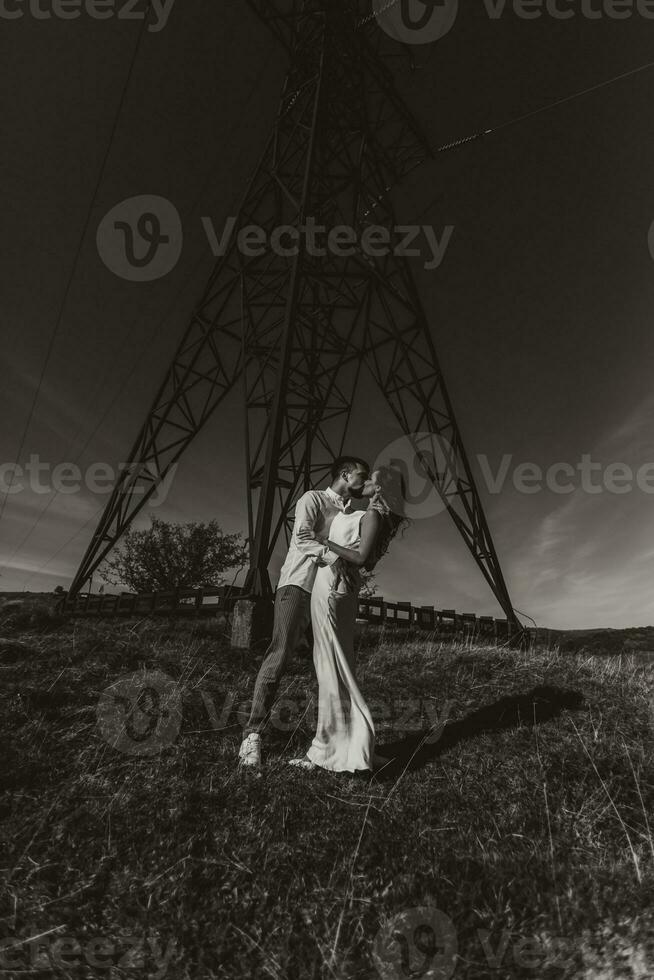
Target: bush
<point x="168" y="556"/>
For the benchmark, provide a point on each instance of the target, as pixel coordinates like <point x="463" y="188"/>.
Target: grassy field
<point x="515" y="841"/>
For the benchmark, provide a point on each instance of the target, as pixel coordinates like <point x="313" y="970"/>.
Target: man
<point x="293" y="595"/>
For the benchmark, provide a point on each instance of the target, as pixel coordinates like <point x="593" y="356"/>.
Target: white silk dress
<point x="345" y="734"/>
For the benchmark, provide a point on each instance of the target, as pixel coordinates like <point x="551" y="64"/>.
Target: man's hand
<point x="344" y="571"/>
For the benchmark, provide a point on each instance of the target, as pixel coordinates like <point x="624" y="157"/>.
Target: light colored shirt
<point x="305" y="553"/>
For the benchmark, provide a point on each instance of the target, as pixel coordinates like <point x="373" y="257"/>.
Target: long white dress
<point x="345" y="734"/>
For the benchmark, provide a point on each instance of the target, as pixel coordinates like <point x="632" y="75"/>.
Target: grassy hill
<point x="515" y="841"/>
<point x="638" y="640"/>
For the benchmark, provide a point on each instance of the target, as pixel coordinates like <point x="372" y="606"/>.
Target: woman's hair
<point x="390" y="503"/>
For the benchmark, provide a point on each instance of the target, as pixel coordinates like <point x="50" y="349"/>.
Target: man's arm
<point x="359" y="557"/>
<point x="307" y="512"/>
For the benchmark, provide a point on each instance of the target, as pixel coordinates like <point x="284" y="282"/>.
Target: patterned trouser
<point x="292" y="618"/>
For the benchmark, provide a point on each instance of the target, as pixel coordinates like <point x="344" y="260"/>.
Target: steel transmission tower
<point x="294" y="327"/>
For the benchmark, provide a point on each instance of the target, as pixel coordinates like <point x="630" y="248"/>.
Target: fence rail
<point x="220" y="600"/>
<point x="377" y="610"/>
<point x="178" y="602"/>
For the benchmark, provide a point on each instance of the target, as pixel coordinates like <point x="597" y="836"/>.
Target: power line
<point x="534" y="112"/>
<point x="78" y="251"/>
<point x="575" y="95"/>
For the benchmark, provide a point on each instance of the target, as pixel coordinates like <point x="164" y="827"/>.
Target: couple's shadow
<point x="539" y="705"/>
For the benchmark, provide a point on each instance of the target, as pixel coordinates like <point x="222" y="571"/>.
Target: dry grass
<point x="528" y="820"/>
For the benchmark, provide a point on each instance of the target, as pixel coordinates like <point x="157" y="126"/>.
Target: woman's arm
<point x="370" y="524"/>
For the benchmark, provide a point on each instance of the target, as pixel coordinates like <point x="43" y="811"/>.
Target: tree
<point x="170" y="556"/>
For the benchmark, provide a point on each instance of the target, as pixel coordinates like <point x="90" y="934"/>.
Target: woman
<point x="345" y="734"/>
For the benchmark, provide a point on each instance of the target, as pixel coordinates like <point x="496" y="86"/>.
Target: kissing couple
<point x="319" y="583"/>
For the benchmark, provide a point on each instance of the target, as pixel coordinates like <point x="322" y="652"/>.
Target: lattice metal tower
<point x="295" y="331"/>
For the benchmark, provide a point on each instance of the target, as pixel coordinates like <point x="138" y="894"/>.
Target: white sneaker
<point x="302" y="763"/>
<point x="249" y="753"/>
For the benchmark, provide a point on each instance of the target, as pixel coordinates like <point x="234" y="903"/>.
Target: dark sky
<point x="541" y="308"/>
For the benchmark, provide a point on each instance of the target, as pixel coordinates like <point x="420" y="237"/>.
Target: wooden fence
<point x="179" y="602"/>
<point x="377" y="610"/>
<point x="217" y="601"/>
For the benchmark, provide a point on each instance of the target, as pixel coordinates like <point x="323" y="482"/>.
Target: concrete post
<point x="252" y="622"/>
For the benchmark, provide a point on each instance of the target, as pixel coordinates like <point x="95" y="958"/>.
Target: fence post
<point x="448" y="619"/>
<point x="486" y="624"/>
<point x="426" y="617"/>
<point x="501" y="628"/>
<point x="407" y="608"/>
<point x="469" y="623"/>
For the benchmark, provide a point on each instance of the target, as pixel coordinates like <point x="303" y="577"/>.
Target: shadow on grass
<point x="539" y="705"/>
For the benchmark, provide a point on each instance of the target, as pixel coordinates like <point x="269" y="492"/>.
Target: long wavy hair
<point x="389" y="501"/>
